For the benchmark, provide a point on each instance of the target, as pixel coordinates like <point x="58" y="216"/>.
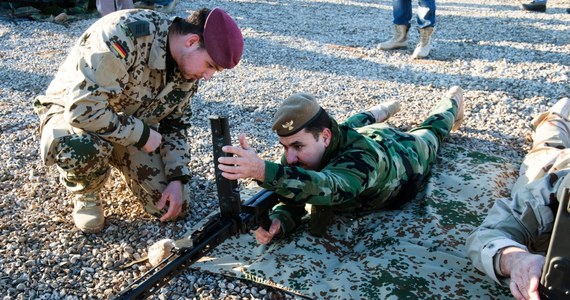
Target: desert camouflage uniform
<point x="365" y="167"/>
<point x="526" y="221"/>
<point x="118" y="82"/>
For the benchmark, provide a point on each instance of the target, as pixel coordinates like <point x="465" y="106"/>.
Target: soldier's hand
<point x="524" y="269"/>
<point x="173" y="195"/>
<point x="263" y="236"/>
<point x="244" y="164"/>
<point x="154" y="140"/>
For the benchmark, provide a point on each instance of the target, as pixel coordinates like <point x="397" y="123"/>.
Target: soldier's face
<point x="197" y="64"/>
<point x="193" y="61"/>
<point x="303" y="150"/>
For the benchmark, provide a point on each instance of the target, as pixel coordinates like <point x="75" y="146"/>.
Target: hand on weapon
<point x="245" y="164"/>
<point x="263" y="236"/>
<point x="524" y="269"/>
<point x="154" y="140"/>
<point x="170" y="257"/>
<point x="174" y="196"/>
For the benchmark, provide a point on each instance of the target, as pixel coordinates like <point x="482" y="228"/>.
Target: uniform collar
<point x="158" y="50"/>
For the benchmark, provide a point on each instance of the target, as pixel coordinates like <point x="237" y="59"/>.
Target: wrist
<point x="260" y="170"/>
<point x="508" y="258"/>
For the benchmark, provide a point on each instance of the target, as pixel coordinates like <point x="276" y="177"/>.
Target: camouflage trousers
<point x="418" y="147"/>
<point x="84" y="161"/>
<point x="550" y="150"/>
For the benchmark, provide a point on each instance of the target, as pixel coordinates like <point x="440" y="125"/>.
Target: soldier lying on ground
<point x="510" y="244"/>
<point x="357" y="165"/>
<point x="122" y="98"/>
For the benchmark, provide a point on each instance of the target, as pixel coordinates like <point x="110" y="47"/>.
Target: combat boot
<point x="424" y="45"/>
<point x="385" y="110"/>
<point x="399" y="40"/>
<point x="88" y="213"/>
<point x="534" y="6"/>
<point x="456" y="94"/>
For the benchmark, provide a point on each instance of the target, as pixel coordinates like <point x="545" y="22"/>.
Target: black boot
<point x="535" y="6"/>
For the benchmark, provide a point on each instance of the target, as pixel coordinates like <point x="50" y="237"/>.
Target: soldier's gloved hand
<point x="154" y="140"/>
<point x="524" y="269"/>
<point x="173" y="195"/>
<point x="263" y="236"/>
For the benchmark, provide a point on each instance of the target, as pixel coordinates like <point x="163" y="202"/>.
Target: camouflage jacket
<point x="526" y="222"/>
<point x="117" y="82"/>
<point x="362" y="169"/>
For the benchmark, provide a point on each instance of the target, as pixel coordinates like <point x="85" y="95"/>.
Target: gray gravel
<point x="512" y="64"/>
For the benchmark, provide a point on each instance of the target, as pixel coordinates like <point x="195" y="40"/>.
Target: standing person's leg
<point x="426" y="23"/>
<point x="551" y="135"/>
<point x="144" y="174"/>
<point x="105" y="7"/>
<point x="126" y="4"/>
<point x="426" y="13"/>
<point x="402" y="12"/>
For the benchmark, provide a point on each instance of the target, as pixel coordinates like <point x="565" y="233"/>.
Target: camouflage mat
<point x="415" y="252"/>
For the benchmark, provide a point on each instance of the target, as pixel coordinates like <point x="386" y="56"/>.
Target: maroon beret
<point x="223" y="39"/>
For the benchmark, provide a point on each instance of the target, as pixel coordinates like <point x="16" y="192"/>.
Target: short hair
<point x="194" y="24"/>
<point x="319" y="123"/>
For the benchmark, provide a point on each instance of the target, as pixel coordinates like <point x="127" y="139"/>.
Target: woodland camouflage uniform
<point x="367" y="166"/>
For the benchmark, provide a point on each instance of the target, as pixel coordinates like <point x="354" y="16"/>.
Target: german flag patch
<point x="119" y="49"/>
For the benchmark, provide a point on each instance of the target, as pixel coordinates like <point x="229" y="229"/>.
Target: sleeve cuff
<point x="144" y="137"/>
<point x="184" y="179"/>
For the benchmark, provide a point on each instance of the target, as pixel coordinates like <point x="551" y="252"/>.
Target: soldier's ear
<point x="326" y="134"/>
<point x="192" y="39"/>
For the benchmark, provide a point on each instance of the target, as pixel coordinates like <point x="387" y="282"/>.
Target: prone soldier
<point x="509" y="246"/>
<point x="122" y="99"/>
<point x="361" y="164"/>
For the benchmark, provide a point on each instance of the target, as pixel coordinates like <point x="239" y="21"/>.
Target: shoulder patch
<point x="139" y="28"/>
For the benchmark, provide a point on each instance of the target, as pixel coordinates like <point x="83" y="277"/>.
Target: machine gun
<point x="234" y="218"/>
<point x="555" y="279"/>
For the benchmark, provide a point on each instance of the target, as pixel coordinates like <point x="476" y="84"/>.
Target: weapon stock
<point x="230" y="221"/>
<point x="555" y="279"/>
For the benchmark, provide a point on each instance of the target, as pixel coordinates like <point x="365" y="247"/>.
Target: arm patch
<point x="139" y="28"/>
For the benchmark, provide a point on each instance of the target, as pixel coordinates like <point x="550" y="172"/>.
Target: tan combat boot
<point x="424" y="45"/>
<point x="455" y="93"/>
<point x="385" y="110"/>
<point x="399" y="40"/>
<point x="88" y="212"/>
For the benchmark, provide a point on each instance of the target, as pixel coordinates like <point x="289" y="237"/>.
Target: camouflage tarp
<point x="415" y="252"/>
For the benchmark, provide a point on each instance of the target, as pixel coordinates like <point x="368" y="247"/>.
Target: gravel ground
<point x="512" y="65"/>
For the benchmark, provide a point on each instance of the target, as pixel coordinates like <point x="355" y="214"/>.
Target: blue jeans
<point x="402" y="10"/>
<point x="157" y="2"/>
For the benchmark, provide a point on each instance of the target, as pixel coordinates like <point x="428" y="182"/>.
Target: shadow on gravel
<point x="22" y="81"/>
<point x="360" y="68"/>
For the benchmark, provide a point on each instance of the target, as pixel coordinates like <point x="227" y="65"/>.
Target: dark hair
<point x="194" y="24"/>
<point x="320" y="122"/>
